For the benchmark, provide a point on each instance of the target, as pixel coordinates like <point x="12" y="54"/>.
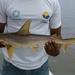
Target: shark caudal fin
<point x="64" y="47"/>
<point x="25" y="27"/>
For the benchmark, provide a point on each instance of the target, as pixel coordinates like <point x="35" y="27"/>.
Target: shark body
<point x="24" y="39"/>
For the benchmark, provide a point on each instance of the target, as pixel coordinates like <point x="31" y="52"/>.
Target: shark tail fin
<point x="64" y="47"/>
<point x="25" y="27"/>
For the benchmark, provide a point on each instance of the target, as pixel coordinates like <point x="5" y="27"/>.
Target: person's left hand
<point x="52" y="48"/>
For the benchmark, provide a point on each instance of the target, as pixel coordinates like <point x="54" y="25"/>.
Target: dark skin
<point x="50" y="47"/>
<point x="2" y="27"/>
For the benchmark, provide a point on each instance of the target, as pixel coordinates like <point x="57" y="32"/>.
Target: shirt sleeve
<point x="2" y="12"/>
<point x="55" y="20"/>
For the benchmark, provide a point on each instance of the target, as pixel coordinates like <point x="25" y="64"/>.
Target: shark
<point x="24" y="39"/>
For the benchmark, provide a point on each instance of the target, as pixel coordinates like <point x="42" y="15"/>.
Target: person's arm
<point x="3" y="18"/>
<point x="56" y="31"/>
<point x="51" y="47"/>
<point x="2" y="27"/>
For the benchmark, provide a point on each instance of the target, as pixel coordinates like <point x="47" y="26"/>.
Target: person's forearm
<point x="2" y="27"/>
<point x="56" y="32"/>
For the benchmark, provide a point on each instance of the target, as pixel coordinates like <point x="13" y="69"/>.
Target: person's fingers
<point x="52" y="45"/>
<point x="47" y="49"/>
<point x="55" y="45"/>
<point x="54" y="49"/>
<point x="47" y="46"/>
<point x="51" y="48"/>
<point x="2" y="44"/>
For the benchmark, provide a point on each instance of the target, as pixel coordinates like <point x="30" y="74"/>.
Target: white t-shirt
<point x="15" y="12"/>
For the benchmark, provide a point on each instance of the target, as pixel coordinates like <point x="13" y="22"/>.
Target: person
<point x="46" y="20"/>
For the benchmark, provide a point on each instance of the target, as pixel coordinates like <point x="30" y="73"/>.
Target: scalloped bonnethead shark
<point x="24" y="39"/>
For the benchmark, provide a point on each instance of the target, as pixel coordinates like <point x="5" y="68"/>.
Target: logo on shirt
<point x="16" y="13"/>
<point x="45" y="15"/>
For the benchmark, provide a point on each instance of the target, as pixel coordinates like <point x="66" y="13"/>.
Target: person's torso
<point x="18" y="11"/>
<point x="37" y="10"/>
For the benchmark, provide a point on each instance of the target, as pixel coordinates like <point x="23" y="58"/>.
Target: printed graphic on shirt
<point x="21" y="10"/>
<point x="16" y="13"/>
<point x="45" y="15"/>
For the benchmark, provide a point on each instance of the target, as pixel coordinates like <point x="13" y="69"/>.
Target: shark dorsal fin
<point x="25" y="27"/>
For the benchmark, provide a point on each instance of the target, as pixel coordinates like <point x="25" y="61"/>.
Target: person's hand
<point x="2" y="44"/>
<point x="52" y="48"/>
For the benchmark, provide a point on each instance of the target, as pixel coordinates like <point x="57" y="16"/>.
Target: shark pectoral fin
<point x="25" y="27"/>
<point x="9" y="50"/>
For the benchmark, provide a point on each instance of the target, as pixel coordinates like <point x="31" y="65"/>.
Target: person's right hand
<point x="2" y="44"/>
